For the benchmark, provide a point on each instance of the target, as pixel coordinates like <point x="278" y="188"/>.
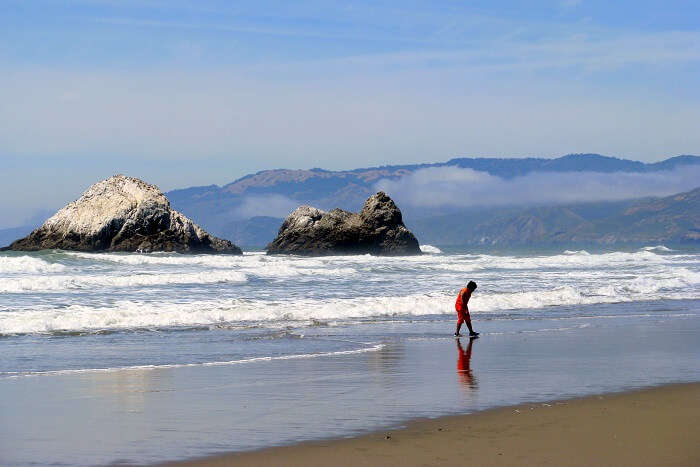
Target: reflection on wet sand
<point x="127" y="389"/>
<point x="384" y="363"/>
<point x="464" y="371"/>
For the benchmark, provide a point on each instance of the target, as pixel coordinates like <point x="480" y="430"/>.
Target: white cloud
<point x="265" y="205"/>
<point x="330" y="123"/>
<point x="457" y="187"/>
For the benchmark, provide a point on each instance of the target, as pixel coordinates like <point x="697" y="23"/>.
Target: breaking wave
<point x="165" y="259"/>
<point x="51" y="292"/>
<point x="256" y="264"/>
<point x="430" y="249"/>
<point x="573" y="259"/>
<point x="657" y="248"/>
<point x="134" y="314"/>
<point x="43" y="283"/>
<point x="28" y="264"/>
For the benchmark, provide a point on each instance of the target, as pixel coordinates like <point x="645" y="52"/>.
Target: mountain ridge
<point x="272" y="194"/>
<point x="249" y="209"/>
<point x="672" y="219"/>
<point x="575" y="162"/>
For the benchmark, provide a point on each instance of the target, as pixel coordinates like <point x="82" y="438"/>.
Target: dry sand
<point x="658" y="426"/>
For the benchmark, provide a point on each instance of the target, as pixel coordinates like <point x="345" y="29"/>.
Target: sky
<point x="185" y="93"/>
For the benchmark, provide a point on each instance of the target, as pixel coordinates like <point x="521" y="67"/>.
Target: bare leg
<point x="460" y="320"/>
<point x="468" y="320"/>
<point x="469" y="325"/>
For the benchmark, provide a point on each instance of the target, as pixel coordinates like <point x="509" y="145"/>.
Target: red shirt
<point x="461" y="305"/>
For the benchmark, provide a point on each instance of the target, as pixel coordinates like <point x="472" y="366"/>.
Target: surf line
<point x="20" y="374"/>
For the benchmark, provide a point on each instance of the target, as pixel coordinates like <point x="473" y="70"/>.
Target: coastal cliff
<point x="122" y="214"/>
<point x="378" y="229"/>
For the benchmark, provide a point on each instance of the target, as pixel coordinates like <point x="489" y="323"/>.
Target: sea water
<point x="255" y="350"/>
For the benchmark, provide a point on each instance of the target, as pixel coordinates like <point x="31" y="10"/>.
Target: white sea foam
<point x="137" y="314"/>
<point x="573" y="259"/>
<point x="48" y="283"/>
<point x="337" y="353"/>
<point x="567" y="259"/>
<point x="288" y="271"/>
<point x="283" y="288"/>
<point x="143" y="314"/>
<point x="28" y="265"/>
<point x="165" y="259"/>
<point x="433" y="250"/>
<point x="254" y="264"/>
<point x="657" y="248"/>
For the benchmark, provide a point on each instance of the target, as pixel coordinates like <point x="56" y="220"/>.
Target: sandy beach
<point x="242" y="233"/>
<point x="657" y="426"/>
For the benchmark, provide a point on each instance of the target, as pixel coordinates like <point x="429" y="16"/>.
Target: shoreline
<point x="154" y="416"/>
<point x="658" y="425"/>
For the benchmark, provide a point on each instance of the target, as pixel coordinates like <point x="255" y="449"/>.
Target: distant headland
<point x="250" y="210"/>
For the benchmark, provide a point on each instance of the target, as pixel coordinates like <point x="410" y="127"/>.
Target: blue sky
<point x="185" y="93"/>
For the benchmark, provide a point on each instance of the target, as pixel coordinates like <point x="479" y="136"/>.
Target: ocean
<point x="154" y="357"/>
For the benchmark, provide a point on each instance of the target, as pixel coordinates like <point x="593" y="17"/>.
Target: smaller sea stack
<point x="122" y="214"/>
<point x="378" y="229"/>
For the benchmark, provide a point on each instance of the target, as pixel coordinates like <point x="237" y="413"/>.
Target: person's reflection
<point x="466" y="376"/>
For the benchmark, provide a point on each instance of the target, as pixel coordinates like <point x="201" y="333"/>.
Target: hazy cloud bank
<point x="258" y="123"/>
<point x="456" y="187"/>
<point x="265" y="205"/>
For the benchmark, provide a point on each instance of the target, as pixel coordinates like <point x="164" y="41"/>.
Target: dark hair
<point x="471" y="286"/>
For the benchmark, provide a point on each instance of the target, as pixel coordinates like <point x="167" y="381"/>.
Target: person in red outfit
<point x="463" y="310"/>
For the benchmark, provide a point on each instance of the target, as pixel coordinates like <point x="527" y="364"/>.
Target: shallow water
<point x="182" y="308"/>
<point x="147" y="358"/>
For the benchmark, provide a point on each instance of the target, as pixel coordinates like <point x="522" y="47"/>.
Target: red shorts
<point x="463" y="315"/>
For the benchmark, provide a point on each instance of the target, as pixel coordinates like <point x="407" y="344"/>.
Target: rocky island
<point x="378" y="229"/>
<point x="122" y="214"/>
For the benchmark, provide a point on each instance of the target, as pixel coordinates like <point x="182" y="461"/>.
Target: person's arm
<point x="465" y="300"/>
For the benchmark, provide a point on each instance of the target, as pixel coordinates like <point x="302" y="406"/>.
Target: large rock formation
<point x="378" y="229"/>
<point x="122" y="214"/>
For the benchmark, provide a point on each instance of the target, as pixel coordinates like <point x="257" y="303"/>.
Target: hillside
<point x="248" y="210"/>
<point x="673" y="219"/>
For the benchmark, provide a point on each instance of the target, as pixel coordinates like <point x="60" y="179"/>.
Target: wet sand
<point x="657" y="426"/>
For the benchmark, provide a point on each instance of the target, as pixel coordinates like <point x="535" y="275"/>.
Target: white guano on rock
<point x="122" y="214"/>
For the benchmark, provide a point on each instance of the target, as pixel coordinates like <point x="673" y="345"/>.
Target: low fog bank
<point x="452" y="187"/>
<point x="268" y="205"/>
